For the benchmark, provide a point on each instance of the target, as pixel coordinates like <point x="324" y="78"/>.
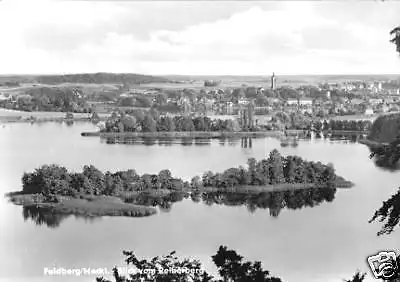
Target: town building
<point x="328" y="94"/>
<point x="305" y="102"/>
<point x="369" y="111"/>
<point x="243" y="101"/>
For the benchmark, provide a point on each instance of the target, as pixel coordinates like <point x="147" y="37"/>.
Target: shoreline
<point x="89" y="205"/>
<point x="14" y="116"/>
<point x="193" y="134"/>
<point x="93" y="206"/>
<point x="372" y="143"/>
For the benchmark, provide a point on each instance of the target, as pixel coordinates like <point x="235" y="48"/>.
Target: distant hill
<point x="95" y="78"/>
<point x="100" y="78"/>
<point x="385" y="128"/>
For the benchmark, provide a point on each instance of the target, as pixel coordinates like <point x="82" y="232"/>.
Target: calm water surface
<point x="324" y="243"/>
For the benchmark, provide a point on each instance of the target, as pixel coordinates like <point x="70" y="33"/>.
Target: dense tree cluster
<point x="275" y="169"/>
<point x="50" y="99"/>
<point x="230" y="266"/>
<point x="140" y="101"/>
<point x="293" y="120"/>
<point x="52" y="180"/>
<point x="386" y="155"/>
<point x="152" y="121"/>
<point x="346" y="125"/>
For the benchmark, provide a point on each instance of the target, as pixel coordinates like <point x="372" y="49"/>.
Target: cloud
<point x="194" y="37"/>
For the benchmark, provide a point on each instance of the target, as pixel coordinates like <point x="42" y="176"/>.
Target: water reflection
<point x="164" y="202"/>
<point x="43" y="216"/>
<point x="275" y="202"/>
<point x="245" y="142"/>
<point x="47" y="216"/>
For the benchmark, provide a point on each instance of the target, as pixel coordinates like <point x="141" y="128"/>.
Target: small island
<point x="94" y="193"/>
<point x="137" y="123"/>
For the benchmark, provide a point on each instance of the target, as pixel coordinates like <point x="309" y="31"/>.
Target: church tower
<point x="273" y="81"/>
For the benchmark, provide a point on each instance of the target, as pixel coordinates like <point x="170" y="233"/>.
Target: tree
<point x="230" y="265"/>
<point x="389" y="213"/>
<point x="129" y="123"/>
<point x="195" y="182"/>
<point x="251" y="163"/>
<point x="261" y="101"/>
<point x="289" y="169"/>
<point x="138" y="114"/>
<point x="165" y="124"/>
<point x="187" y="124"/>
<point x="164" y="178"/>
<point x="200" y="124"/>
<point x="127" y="102"/>
<point x="237" y="93"/>
<point x="149" y="124"/>
<point x="396" y="37"/>
<point x="276" y="167"/>
<point x="358" y="277"/>
<point x="161" y="99"/>
<point x="251" y="92"/>
<point x="143" y="101"/>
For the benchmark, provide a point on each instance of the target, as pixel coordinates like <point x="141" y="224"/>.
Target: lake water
<point x="328" y="242"/>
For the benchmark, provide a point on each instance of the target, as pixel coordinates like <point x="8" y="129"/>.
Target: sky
<point x="198" y="38"/>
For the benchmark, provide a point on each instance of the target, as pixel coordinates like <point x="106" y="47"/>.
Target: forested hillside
<point x="385" y="128"/>
<point x="96" y="78"/>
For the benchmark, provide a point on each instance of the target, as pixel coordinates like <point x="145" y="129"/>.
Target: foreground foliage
<point x="389" y="213"/>
<point x="230" y="265"/>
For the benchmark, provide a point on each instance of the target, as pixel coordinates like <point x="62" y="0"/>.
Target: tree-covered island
<point x="94" y="193"/>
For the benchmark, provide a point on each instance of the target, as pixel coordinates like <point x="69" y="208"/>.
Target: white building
<point x="243" y="101"/>
<point x="292" y="102"/>
<point x="305" y="102"/>
<point x="375" y="101"/>
<point x="328" y="94"/>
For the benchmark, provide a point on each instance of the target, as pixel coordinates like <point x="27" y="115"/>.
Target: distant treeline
<point x="211" y="83"/>
<point x="52" y="180"/>
<point x="99" y="78"/>
<point x="346" y="125"/>
<point x="152" y="121"/>
<point x="300" y="121"/>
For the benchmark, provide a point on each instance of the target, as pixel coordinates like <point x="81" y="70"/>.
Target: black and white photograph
<point x="199" y="141"/>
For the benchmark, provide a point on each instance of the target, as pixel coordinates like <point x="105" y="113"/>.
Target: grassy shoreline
<point x="93" y="206"/>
